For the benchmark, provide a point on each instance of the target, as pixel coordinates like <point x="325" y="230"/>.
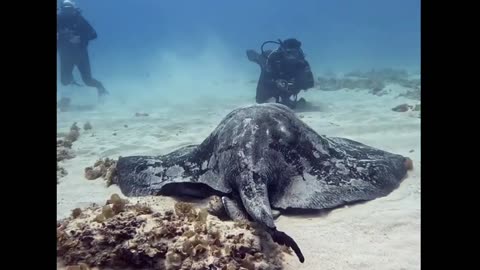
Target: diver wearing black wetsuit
<point x="73" y="35"/>
<point x="284" y="73"/>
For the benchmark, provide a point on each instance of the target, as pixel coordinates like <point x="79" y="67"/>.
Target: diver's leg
<point x="83" y="65"/>
<point x="285" y="100"/>
<point x="66" y="67"/>
<point x="64" y="104"/>
<point x="66" y="77"/>
<point x="301" y="103"/>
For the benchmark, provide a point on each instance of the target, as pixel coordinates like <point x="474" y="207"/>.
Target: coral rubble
<point x="137" y="237"/>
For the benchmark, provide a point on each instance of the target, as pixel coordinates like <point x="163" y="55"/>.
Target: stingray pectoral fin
<point x="350" y="172"/>
<point x="169" y="175"/>
<point x="234" y="210"/>
<point x="137" y="175"/>
<point x="150" y="175"/>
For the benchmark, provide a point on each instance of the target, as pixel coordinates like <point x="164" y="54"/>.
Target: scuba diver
<point x="73" y="36"/>
<point x="284" y="73"/>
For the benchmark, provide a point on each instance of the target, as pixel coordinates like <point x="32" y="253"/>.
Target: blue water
<point x="146" y="44"/>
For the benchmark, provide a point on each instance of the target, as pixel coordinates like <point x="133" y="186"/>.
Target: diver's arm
<point x="260" y="59"/>
<point x="271" y="82"/>
<point x="87" y="31"/>
<point x="254" y="56"/>
<point x="62" y="35"/>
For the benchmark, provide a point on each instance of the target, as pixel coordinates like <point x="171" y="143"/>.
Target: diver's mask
<point x="292" y="52"/>
<point x="68" y="8"/>
<point x="293" y="58"/>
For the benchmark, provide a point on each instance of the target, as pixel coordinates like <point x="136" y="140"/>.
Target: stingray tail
<point x="254" y="194"/>
<point x="282" y="238"/>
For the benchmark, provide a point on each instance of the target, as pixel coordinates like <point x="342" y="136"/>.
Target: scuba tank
<point x="292" y="56"/>
<point x="279" y="42"/>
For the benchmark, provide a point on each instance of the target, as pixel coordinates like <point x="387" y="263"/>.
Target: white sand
<point x="380" y="234"/>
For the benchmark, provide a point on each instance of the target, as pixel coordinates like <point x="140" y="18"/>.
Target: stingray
<point x="263" y="157"/>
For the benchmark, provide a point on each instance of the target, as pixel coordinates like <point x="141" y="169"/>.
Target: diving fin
<point x="253" y="56"/>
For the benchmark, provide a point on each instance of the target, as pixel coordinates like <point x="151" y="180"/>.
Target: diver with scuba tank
<point x="73" y="35"/>
<point x="284" y="73"/>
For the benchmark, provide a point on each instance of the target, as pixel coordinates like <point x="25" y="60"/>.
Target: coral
<point x="408" y="164"/>
<point x="61" y="172"/>
<point x="76" y="212"/>
<point x="80" y="266"/>
<point x="107" y="211"/>
<point x="61" y="134"/>
<point x="412" y="94"/>
<point x="64" y="150"/>
<point x="104" y="168"/>
<point x="64" y="153"/>
<point x="185" y="210"/>
<point x="74" y="133"/>
<point x="216" y="208"/>
<point x="64" y="104"/>
<point x="414" y="84"/>
<point x="332" y="84"/>
<point x="138" y="237"/>
<point x="406" y="107"/>
<point x="114" y="198"/>
<point x="64" y="143"/>
<point x="375" y="80"/>
<point x="118" y="206"/>
<point x="386" y="74"/>
<point x="401" y="108"/>
<point x="100" y="218"/>
<point x="74" y="127"/>
<point x="87" y="126"/>
<point x="142" y="209"/>
<point x="94" y="173"/>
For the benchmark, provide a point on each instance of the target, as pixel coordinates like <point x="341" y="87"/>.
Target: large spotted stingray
<point x="263" y="157"/>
